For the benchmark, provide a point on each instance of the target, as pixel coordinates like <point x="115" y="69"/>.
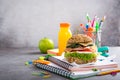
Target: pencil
<point x="108" y="72"/>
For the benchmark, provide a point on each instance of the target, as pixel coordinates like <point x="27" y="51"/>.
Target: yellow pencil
<point x="108" y="72"/>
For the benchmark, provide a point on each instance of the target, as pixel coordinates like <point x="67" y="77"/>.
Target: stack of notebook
<point x="61" y="67"/>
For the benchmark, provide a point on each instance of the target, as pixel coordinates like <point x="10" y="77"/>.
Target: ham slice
<point x="86" y="49"/>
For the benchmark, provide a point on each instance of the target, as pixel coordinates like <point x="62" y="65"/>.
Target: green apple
<point x="45" y="44"/>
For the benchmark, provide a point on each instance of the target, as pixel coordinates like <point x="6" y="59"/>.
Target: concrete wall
<point x="24" y="22"/>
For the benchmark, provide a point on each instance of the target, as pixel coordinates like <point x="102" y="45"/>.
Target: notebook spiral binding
<point x="56" y="70"/>
<point x="60" y="63"/>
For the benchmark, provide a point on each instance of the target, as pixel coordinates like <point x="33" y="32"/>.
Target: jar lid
<point x="64" y="24"/>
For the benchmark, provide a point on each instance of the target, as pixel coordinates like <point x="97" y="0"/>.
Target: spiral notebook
<point x="61" y="67"/>
<point x="105" y="64"/>
<point x="63" y="72"/>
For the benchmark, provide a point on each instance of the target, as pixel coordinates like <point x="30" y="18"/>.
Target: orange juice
<point x="63" y="36"/>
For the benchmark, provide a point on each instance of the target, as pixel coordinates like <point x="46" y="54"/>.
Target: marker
<point x="87" y="26"/>
<point x="88" y="18"/>
<point x="101" y="21"/>
<point x="89" y="32"/>
<point x="97" y="25"/>
<point x="83" y="27"/>
<point x="92" y="24"/>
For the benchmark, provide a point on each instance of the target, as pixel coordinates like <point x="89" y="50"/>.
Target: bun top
<point x="80" y="39"/>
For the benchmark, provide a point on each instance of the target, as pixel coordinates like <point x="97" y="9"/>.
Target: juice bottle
<point x="63" y="36"/>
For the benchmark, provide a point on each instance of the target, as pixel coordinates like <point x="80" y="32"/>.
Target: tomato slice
<point x="84" y="50"/>
<point x="88" y="49"/>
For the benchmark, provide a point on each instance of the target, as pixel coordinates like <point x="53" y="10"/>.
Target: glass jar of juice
<point x="63" y="36"/>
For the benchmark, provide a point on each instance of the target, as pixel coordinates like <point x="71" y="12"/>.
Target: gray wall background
<point x="24" y="22"/>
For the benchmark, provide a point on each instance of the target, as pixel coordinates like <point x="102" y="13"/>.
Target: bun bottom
<point x="80" y="58"/>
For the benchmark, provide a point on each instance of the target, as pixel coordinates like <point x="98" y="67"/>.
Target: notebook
<point x="63" y="72"/>
<point x="59" y="66"/>
<point x="104" y="64"/>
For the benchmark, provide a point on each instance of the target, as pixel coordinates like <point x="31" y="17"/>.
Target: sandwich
<point x="80" y="49"/>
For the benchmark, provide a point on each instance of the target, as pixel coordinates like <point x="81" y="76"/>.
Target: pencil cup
<point x="96" y="37"/>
